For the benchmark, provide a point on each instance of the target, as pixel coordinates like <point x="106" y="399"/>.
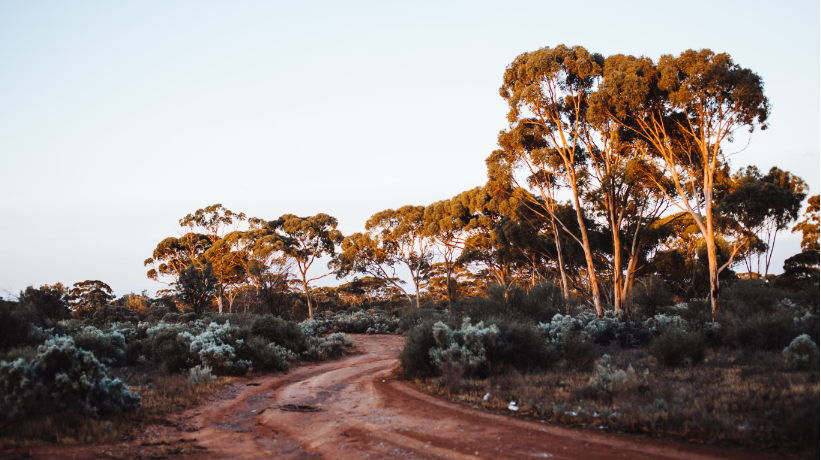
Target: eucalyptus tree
<point x="402" y="233"/>
<point x="371" y="255"/>
<point x="801" y="269"/>
<point x="172" y="255"/>
<point x="763" y="205"/>
<point x="308" y="239"/>
<point x="88" y="296"/>
<point x="687" y="108"/>
<point x="550" y="88"/>
<point x="196" y="287"/>
<point x="215" y="222"/>
<point x="484" y="208"/>
<point x="267" y="267"/>
<point x="444" y="224"/>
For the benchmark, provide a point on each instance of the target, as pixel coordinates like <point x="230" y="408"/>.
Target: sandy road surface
<point x="366" y="413"/>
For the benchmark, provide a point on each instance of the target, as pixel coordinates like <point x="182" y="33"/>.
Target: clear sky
<point x="119" y="118"/>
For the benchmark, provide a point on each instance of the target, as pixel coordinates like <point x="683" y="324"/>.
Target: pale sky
<point x="119" y="118"/>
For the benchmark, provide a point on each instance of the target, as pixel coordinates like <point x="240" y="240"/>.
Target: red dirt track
<point x="364" y="412"/>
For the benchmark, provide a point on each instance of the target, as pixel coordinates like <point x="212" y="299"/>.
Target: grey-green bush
<point x="61" y="378"/>
<point x="802" y="353"/>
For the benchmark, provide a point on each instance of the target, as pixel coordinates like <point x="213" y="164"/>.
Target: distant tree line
<point x="612" y="172"/>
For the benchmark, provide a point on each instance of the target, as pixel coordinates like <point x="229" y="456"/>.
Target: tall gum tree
<point x="309" y="238"/>
<point x="686" y="108"/>
<point x="444" y="224"/>
<point x="762" y="206"/>
<point x="215" y="222"/>
<point x="369" y="254"/>
<point x="404" y="234"/>
<point x="550" y="88"/>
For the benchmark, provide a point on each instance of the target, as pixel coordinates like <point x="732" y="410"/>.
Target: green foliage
<point x="610" y="380"/>
<point x="108" y="348"/>
<point x="675" y="345"/>
<point x="162" y="347"/>
<point x="15" y="324"/>
<point x="61" y="378"/>
<point x="199" y="374"/>
<point x="580" y="351"/>
<point x="284" y="333"/>
<point x="264" y="355"/>
<point x="802" y="353"/>
<point x="415" y="355"/>
<point x="87" y="296"/>
<point x="432" y="348"/>
<point x="48" y="302"/>
<point x="108" y="314"/>
<point x="648" y="296"/>
<point x="196" y="287"/>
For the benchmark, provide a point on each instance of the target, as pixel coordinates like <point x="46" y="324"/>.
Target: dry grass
<point x="162" y="394"/>
<point x="739" y="398"/>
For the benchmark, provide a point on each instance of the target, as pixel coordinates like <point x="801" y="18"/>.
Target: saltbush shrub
<point x="214" y="347"/>
<point x="609" y="380"/>
<point x="802" y="353"/>
<point x="200" y="374"/>
<point x="519" y="345"/>
<point x="61" y="378"/>
<point x="107" y="347"/>
<point x="432" y="348"/>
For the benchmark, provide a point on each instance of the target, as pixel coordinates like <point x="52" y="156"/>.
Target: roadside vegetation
<point x="615" y="272"/>
<point x="749" y="379"/>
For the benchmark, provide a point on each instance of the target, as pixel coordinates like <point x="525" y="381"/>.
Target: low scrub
<point x="432" y="348"/>
<point x="61" y="378"/>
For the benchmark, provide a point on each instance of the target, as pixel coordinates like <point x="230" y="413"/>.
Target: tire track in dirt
<point x="362" y="411"/>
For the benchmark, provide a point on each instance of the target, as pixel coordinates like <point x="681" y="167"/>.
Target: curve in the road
<point x="355" y="408"/>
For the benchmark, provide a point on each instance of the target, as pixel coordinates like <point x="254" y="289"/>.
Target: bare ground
<point x="356" y="408"/>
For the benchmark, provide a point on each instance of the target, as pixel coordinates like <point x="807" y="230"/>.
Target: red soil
<point x="359" y="411"/>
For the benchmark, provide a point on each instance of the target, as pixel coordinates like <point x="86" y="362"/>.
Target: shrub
<point x="475" y="350"/>
<point x="609" y="380"/>
<point x="214" y="348"/>
<point x="162" y="347"/>
<point x="262" y="354"/>
<point x="27" y="353"/>
<point x="763" y="331"/>
<point x="200" y="374"/>
<point x="157" y="312"/>
<point x="107" y="347"/>
<point x="802" y="353"/>
<point x="15" y="324"/>
<point x="463" y="348"/>
<point x="336" y="344"/>
<point x="61" y="378"/>
<point x="675" y="345"/>
<point x="415" y="355"/>
<point x="108" y="314"/>
<point x="520" y="346"/>
<point x="579" y="350"/>
<point x="284" y="333"/>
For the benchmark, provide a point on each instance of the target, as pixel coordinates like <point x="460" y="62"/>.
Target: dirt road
<point x="353" y="408"/>
<point x="362" y="412"/>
